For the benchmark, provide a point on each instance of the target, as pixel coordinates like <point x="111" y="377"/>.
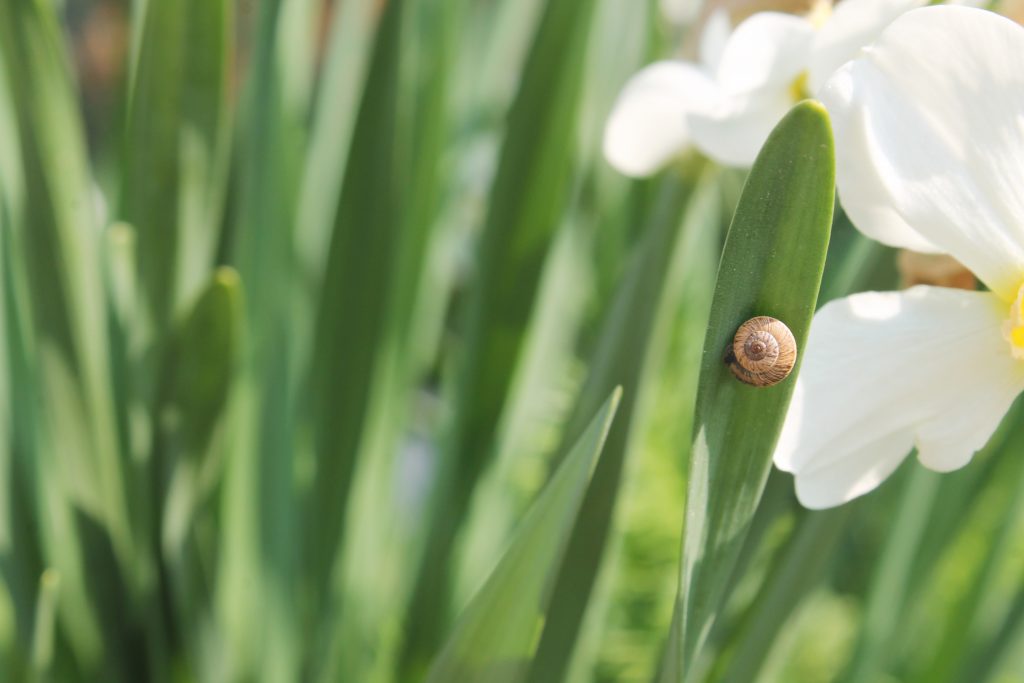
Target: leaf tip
<point x="227" y="278"/>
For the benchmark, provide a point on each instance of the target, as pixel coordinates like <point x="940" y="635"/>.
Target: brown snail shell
<point x="763" y="352"/>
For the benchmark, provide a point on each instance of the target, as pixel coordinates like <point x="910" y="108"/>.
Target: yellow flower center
<point x="798" y="88"/>
<point x="819" y="13"/>
<point x="1013" y="327"/>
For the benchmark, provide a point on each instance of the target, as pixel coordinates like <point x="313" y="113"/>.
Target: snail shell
<point x="763" y="352"/>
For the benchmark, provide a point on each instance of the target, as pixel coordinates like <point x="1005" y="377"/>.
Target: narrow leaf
<point x="175" y="146"/>
<point x="346" y="65"/>
<point x="202" y="359"/>
<point x="45" y="625"/>
<point x="528" y="198"/>
<point x="644" y="304"/>
<point x="352" y="320"/>
<point x="771" y="265"/>
<point x="496" y="635"/>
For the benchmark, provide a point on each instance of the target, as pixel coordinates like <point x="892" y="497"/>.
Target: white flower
<point x="681" y="11"/>
<point x="746" y="80"/>
<point x="929" y="127"/>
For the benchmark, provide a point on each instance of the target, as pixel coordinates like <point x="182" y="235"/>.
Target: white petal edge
<point x="734" y="130"/>
<point x="929" y="131"/>
<point x="852" y="25"/>
<point x="769" y="49"/>
<point x="647" y="126"/>
<point x="713" y="39"/>
<point x="884" y="372"/>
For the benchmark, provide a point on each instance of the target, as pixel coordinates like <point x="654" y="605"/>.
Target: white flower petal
<point x="714" y="38"/>
<point x="884" y="372"/>
<point x="733" y="132"/>
<point x="852" y="25"/>
<point x="929" y="127"/>
<point x="769" y="49"/>
<point x="647" y="126"/>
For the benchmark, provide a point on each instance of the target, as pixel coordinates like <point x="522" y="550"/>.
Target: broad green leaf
<point x="527" y="200"/>
<point x="645" y="304"/>
<point x="496" y="635"/>
<point x="771" y="265"/>
<point x="176" y="148"/>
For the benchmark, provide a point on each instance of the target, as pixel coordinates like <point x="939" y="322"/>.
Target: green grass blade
<point x="45" y="626"/>
<point x="11" y="193"/>
<point x="363" y="639"/>
<point x="892" y="578"/>
<point x="74" y="440"/>
<point x="528" y="198"/>
<point x="645" y="303"/>
<point x="268" y="160"/>
<point x="201" y="361"/>
<point x="969" y="631"/>
<point x="496" y="635"/>
<point x="771" y="265"/>
<point x="799" y="565"/>
<point x="353" y="316"/>
<point x="342" y="84"/>
<point x="175" y="148"/>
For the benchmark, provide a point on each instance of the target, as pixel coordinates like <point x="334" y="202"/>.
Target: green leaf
<point x="175" y="148"/>
<point x="67" y="428"/>
<point x="644" y="304"/>
<point x="45" y="625"/>
<point x="527" y="201"/>
<point x="798" y="566"/>
<point x="201" y="368"/>
<point x="892" y="577"/>
<point x="353" y="316"/>
<point x="259" y="480"/>
<point x="771" y="265"/>
<point x="972" y="631"/>
<point x="362" y="639"/>
<point x="202" y="360"/>
<point x="496" y="635"/>
<point x="346" y="65"/>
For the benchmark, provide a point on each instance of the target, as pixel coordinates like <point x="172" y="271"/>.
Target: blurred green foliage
<point x="310" y="312"/>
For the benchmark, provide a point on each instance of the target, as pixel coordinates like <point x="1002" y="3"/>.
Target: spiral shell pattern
<point x="763" y="352"/>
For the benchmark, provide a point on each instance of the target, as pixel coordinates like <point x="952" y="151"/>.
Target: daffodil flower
<point x="743" y="84"/>
<point x="929" y="129"/>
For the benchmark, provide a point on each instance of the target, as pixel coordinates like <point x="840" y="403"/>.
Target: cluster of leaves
<point x="352" y="361"/>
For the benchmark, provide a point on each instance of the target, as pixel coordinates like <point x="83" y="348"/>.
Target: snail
<point x="762" y="353"/>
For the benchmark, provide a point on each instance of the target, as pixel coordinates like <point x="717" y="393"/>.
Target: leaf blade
<point x="496" y="634"/>
<point x="772" y="264"/>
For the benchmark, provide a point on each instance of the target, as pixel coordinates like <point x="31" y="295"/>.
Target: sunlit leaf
<point x="772" y="265"/>
<point x="496" y="635"/>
